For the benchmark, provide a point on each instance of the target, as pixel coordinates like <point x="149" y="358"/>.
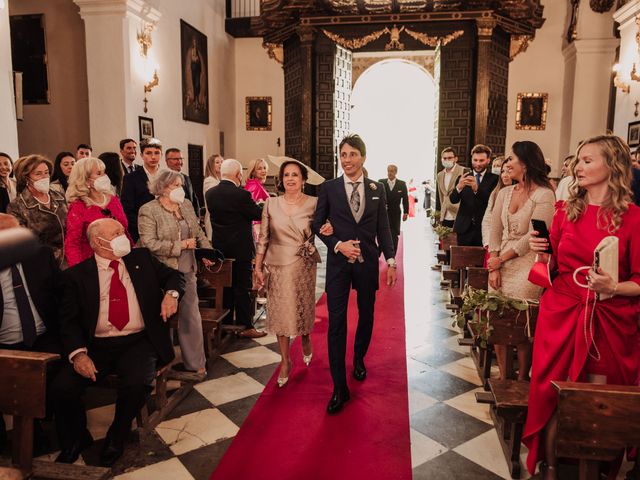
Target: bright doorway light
<point x="393" y="111"/>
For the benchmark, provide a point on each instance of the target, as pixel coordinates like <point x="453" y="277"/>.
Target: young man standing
<point x="396" y="191"/>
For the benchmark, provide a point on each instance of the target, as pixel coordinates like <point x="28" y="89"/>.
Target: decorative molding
<point x="434" y="41"/>
<point x="394" y="34"/>
<point x="485" y="27"/>
<point x="139" y="9"/>
<point x="354" y="43"/>
<point x="306" y="34"/>
<point x="519" y="44"/>
<point x="601" y="6"/>
<point x="275" y="51"/>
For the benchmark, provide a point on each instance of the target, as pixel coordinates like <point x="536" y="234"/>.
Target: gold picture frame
<point x="531" y="111"/>
<point x="258" y="113"/>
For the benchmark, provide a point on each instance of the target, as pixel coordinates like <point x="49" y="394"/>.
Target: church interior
<point x="256" y="79"/>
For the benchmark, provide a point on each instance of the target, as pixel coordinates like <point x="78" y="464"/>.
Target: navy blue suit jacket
<point x="372" y="230"/>
<point x="635" y="185"/>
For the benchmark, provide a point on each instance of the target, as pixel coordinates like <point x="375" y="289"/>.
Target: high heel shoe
<point x="307" y="358"/>
<point x="282" y="381"/>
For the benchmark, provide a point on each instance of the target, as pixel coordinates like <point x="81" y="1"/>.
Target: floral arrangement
<point x="442" y="231"/>
<point x="480" y="304"/>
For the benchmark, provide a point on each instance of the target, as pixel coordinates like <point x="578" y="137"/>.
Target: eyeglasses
<point x="107" y="213"/>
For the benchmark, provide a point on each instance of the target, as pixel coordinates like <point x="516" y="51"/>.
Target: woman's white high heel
<point x="307" y="358"/>
<point x="282" y="381"/>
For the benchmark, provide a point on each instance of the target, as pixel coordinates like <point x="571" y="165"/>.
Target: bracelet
<point x="615" y="289"/>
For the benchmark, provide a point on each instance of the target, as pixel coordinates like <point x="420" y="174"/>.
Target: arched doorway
<point x="393" y="109"/>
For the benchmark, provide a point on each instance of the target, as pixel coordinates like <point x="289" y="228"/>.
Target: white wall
<point x="257" y="75"/>
<point x="63" y="123"/>
<point x="541" y="69"/>
<point x="8" y="128"/>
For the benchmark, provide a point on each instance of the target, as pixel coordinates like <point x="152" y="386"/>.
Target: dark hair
<point x="481" y="149"/>
<point x="113" y="169"/>
<point x="150" y="143"/>
<point x="57" y="170"/>
<point x="84" y="145"/>
<point x="124" y="141"/>
<point x="5" y="155"/>
<point x="448" y="149"/>
<point x="303" y="171"/>
<point x="171" y="150"/>
<point x="531" y="156"/>
<point x="354" y="141"/>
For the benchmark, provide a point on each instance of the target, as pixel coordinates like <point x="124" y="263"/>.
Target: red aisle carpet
<point x="288" y="435"/>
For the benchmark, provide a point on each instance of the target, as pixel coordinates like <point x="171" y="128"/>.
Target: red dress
<point x="79" y="217"/>
<point x="560" y="350"/>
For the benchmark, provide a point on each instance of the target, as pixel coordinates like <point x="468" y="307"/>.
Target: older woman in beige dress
<point x="286" y="263"/>
<point x="510" y="256"/>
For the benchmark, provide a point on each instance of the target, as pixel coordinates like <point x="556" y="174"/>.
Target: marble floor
<point x="452" y="437"/>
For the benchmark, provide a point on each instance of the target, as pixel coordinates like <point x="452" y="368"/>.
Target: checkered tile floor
<point x="452" y="437"/>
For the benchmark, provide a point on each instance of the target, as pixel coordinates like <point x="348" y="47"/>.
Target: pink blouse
<point x="79" y="217"/>
<point x="257" y="190"/>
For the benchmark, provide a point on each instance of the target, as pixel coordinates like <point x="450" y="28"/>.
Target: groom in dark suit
<point x="356" y="208"/>
<point x="396" y="191"/>
<point x="472" y="192"/>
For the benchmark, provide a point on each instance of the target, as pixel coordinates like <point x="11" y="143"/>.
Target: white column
<point x="8" y="127"/>
<point x="629" y="55"/>
<point x="113" y="66"/>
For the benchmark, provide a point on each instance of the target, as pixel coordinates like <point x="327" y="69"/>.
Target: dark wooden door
<point x="196" y="169"/>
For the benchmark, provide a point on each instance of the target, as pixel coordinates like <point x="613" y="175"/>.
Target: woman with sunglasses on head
<point x="170" y="229"/>
<point x="91" y="196"/>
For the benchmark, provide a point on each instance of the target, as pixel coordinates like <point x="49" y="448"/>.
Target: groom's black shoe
<point x="359" y="370"/>
<point x="337" y="401"/>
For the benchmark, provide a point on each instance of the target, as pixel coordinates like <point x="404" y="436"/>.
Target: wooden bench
<point x="23" y="376"/>
<point x="462" y="257"/>
<point x="595" y="423"/>
<point x="508" y="399"/>
<point x="478" y="278"/>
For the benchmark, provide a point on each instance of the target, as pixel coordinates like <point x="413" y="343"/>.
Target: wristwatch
<point x="173" y="293"/>
<point x="391" y="263"/>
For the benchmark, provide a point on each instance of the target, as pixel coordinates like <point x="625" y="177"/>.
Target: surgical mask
<point x="447" y="164"/>
<point x="177" y="195"/>
<point x="102" y="184"/>
<point x="41" y="185"/>
<point x="496" y="171"/>
<point x="120" y="246"/>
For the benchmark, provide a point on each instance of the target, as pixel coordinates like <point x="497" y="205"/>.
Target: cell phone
<point x="541" y="227"/>
<point x="466" y="171"/>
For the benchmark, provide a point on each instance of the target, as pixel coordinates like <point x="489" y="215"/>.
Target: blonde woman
<point x="211" y="179"/>
<point x="90" y="196"/>
<point x="599" y="205"/>
<point x="37" y="206"/>
<point x="258" y="170"/>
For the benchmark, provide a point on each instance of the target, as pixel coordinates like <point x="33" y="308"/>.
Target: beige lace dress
<point x="290" y="261"/>
<point x="511" y="231"/>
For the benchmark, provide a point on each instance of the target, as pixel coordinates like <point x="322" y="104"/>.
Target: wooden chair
<point x="595" y="423"/>
<point x="23" y="376"/>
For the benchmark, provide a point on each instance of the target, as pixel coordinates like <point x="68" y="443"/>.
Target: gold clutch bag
<point x="605" y="256"/>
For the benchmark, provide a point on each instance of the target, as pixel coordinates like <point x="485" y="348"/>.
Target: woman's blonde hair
<point x="618" y="160"/>
<point x="254" y="164"/>
<point x="80" y="173"/>
<point x="25" y="165"/>
<point x="210" y="167"/>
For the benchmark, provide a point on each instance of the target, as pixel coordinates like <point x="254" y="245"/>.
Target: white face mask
<point x="120" y="246"/>
<point x="42" y="185"/>
<point x="496" y="171"/>
<point x="102" y="184"/>
<point x="177" y="195"/>
<point x="447" y="164"/>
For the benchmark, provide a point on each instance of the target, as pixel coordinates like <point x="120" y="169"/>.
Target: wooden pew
<point x="462" y="257"/>
<point x="595" y="423"/>
<point x="445" y="243"/>
<point x="23" y="376"/>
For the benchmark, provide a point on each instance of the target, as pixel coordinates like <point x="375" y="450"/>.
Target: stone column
<point x="485" y="33"/>
<point x="307" y="36"/>
<point x="8" y="126"/>
<point x="113" y="66"/>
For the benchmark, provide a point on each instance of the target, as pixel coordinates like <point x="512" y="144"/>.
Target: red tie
<point x="118" y="302"/>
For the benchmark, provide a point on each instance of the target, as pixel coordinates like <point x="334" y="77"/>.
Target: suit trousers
<point x="238" y="297"/>
<point x="338" y="301"/>
<point x="133" y="359"/>
<point x="394" y="223"/>
<point x="447" y="223"/>
<point x="471" y="238"/>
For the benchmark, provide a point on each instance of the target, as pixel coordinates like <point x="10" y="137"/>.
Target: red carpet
<point x="288" y="435"/>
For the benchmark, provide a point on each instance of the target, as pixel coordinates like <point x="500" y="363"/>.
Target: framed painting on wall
<point x="633" y="134"/>
<point x="145" y="125"/>
<point x="195" y="74"/>
<point x="531" y="111"/>
<point x="258" y="113"/>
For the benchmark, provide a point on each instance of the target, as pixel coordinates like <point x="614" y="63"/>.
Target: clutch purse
<point x="605" y="256"/>
<point x="540" y="275"/>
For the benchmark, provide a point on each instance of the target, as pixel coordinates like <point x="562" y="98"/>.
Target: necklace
<point x="99" y="204"/>
<point x="294" y="202"/>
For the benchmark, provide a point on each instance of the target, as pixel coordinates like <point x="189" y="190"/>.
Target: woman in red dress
<point x="599" y="205"/>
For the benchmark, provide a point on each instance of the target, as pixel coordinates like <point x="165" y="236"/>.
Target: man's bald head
<point x="100" y="232"/>
<point x="8" y="221"/>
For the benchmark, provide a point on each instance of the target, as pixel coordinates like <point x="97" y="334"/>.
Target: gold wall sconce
<point x="617" y="81"/>
<point x="149" y="86"/>
<point x="634" y="74"/>
<point x="144" y="38"/>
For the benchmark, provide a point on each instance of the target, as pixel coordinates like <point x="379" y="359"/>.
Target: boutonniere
<point x="373" y="186"/>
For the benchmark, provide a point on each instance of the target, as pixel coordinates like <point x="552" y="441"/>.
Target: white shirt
<point x="349" y="188"/>
<point x="150" y="175"/>
<point x="562" y="192"/>
<point x="11" y="328"/>
<point x="103" y="327"/>
<point x="448" y="215"/>
<point x="392" y="184"/>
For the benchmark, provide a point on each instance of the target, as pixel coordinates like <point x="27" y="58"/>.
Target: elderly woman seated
<point x="169" y="228"/>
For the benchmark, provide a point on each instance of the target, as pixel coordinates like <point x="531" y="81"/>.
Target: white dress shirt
<point x="349" y="188"/>
<point x="150" y="175"/>
<point x="448" y="215"/>
<point x="562" y="192"/>
<point x="11" y="328"/>
<point x="392" y="184"/>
